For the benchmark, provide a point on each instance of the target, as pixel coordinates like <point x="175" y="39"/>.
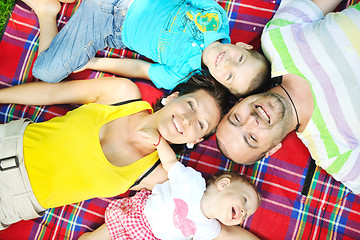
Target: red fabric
<point x="326" y="212"/>
<point x="125" y="218"/>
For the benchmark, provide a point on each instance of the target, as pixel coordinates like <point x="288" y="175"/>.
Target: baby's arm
<point x="101" y="233"/>
<point x="133" y="68"/>
<point x="166" y="154"/>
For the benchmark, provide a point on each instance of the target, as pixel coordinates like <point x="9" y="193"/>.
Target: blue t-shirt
<point x="173" y="34"/>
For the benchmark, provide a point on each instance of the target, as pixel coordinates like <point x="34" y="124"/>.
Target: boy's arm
<point x="235" y="233"/>
<point x="101" y="233"/>
<point x="100" y="90"/>
<point x="132" y="68"/>
<point x="327" y="6"/>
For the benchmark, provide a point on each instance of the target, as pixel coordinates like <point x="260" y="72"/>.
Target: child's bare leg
<point x="46" y="11"/>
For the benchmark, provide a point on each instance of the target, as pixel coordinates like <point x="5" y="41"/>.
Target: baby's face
<point x="234" y="66"/>
<point x="236" y="203"/>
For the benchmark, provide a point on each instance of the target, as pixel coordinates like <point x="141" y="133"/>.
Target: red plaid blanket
<point x="299" y="200"/>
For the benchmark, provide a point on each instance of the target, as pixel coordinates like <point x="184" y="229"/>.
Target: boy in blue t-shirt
<point x="180" y="36"/>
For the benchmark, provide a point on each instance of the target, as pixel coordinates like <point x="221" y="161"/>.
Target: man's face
<point x="254" y="127"/>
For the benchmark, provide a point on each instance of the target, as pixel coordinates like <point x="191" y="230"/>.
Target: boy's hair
<point x="201" y="80"/>
<point x="262" y="81"/>
<point x="233" y="177"/>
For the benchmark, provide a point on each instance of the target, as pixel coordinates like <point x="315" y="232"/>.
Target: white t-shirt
<point x="326" y="52"/>
<point x="173" y="208"/>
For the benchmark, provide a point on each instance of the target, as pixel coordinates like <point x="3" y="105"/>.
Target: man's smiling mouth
<point x="262" y="113"/>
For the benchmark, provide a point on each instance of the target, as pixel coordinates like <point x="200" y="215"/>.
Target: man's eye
<point x="229" y="77"/>
<point x="191" y="105"/>
<point x="201" y="125"/>
<point x="253" y="138"/>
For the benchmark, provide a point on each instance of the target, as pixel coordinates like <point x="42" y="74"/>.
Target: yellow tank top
<point x="65" y="161"/>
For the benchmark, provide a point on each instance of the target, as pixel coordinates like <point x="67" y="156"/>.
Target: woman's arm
<point x="100" y="90"/>
<point x="235" y="233"/>
<point x="125" y="67"/>
<point x="101" y="233"/>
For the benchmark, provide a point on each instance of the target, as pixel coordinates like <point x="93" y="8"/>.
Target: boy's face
<point x="236" y="201"/>
<point x="234" y="66"/>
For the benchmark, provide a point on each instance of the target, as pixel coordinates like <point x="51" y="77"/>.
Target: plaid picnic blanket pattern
<point x="299" y="200"/>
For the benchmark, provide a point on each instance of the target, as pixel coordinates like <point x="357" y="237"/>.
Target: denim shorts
<point x="94" y="26"/>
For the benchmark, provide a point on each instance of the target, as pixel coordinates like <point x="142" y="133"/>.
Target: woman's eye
<point x="191" y="105"/>
<point x="240" y="59"/>
<point x="229" y="77"/>
<point x="236" y="118"/>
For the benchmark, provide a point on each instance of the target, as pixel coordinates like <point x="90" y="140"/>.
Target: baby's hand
<point x="150" y="135"/>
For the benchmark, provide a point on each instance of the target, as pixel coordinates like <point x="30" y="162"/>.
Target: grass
<point x="6" y="7"/>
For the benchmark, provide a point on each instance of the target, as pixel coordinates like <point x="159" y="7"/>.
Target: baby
<point x="182" y="207"/>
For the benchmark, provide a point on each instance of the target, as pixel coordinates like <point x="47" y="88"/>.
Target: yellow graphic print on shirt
<point x="205" y="21"/>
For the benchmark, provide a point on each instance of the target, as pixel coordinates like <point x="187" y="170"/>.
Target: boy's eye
<point x="229" y="77"/>
<point x="191" y="105"/>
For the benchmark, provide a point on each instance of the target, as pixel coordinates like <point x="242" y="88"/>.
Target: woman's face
<point x="187" y="118"/>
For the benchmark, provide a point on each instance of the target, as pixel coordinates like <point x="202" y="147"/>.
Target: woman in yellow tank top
<point x="98" y="149"/>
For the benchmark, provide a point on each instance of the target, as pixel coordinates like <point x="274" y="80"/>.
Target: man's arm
<point x="133" y="68"/>
<point x="327" y="6"/>
<point x="235" y="233"/>
<point x="100" y="90"/>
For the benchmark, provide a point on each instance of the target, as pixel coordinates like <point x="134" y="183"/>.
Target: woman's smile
<point x="178" y="126"/>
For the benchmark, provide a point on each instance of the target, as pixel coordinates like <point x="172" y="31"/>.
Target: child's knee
<point x="48" y="73"/>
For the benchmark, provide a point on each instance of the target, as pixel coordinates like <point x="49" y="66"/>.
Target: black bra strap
<point x="146" y="174"/>
<point x="125" y="102"/>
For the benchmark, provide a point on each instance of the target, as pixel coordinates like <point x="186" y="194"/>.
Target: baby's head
<point x="238" y="67"/>
<point x="230" y="198"/>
